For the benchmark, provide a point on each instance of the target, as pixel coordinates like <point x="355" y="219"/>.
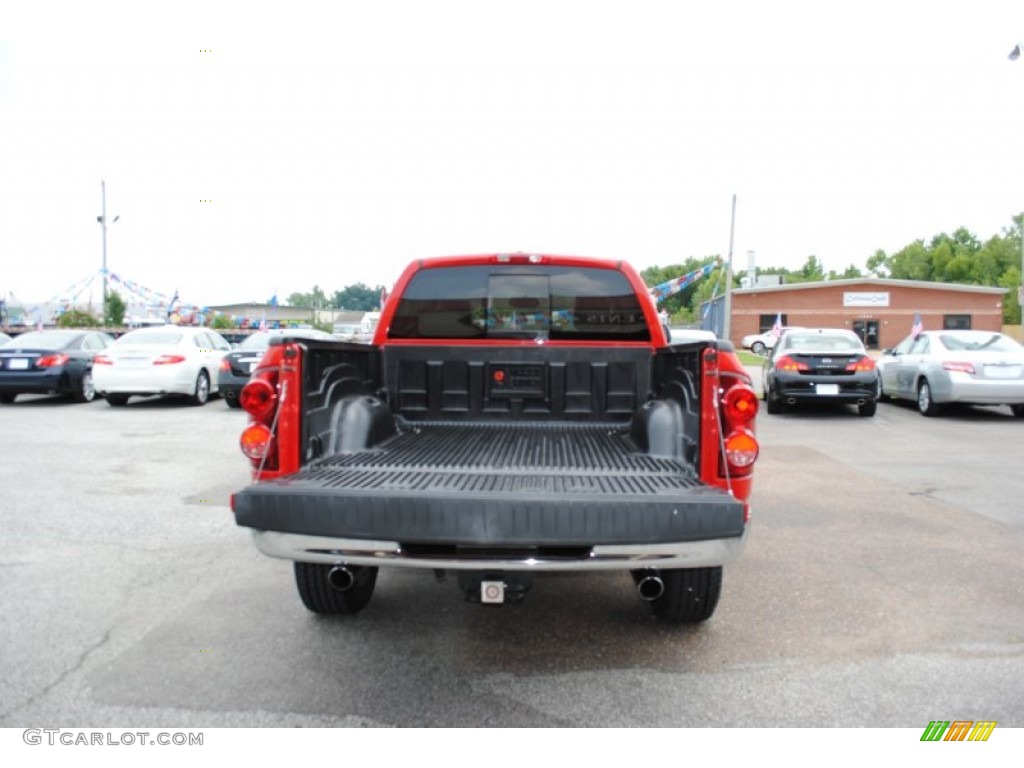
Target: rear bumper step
<point x="319" y="549"/>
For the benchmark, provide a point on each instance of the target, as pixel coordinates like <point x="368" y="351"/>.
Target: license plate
<point x="826" y="389"/>
<point x="17" y="364"/>
<point x="1002" y="371"/>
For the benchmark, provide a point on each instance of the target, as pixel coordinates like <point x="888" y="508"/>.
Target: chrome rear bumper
<point x="607" y="557"/>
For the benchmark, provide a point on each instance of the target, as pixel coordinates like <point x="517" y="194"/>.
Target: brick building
<point x="880" y="310"/>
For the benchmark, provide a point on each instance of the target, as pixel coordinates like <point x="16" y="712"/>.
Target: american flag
<point x="777" y="326"/>
<point x="917" y="327"/>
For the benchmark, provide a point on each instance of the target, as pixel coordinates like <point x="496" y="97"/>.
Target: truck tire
<point x="312" y="580"/>
<point x="690" y="595"/>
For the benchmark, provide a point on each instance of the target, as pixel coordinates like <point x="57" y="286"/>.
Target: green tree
<point x="359" y="297"/>
<point x="222" y="322"/>
<point x="76" y="318"/>
<point x="315" y="299"/>
<point x="680" y="306"/>
<point x="113" y="310"/>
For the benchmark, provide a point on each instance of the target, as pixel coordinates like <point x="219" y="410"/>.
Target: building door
<point x="868" y="332"/>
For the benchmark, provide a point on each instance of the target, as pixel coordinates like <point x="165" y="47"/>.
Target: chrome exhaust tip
<point x="650" y="586"/>
<point x="340" y="578"/>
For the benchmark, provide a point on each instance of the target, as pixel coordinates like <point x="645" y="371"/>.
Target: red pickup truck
<point x="515" y="414"/>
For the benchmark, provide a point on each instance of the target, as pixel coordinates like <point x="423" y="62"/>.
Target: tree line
<point x="960" y="257"/>
<point x="358" y="297"/>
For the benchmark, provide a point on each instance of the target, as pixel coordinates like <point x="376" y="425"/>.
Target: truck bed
<point x="550" y="484"/>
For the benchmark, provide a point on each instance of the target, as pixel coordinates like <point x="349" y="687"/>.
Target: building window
<point x="765" y="322"/>
<point x="956" y="322"/>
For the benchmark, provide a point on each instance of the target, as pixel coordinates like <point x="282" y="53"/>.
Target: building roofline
<point x="873" y="281"/>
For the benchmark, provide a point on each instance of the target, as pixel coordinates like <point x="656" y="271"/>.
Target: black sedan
<point x="239" y="363"/>
<point x="50" y="362"/>
<point x="820" y="365"/>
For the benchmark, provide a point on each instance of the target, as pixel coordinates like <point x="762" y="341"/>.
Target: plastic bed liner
<point x="496" y="485"/>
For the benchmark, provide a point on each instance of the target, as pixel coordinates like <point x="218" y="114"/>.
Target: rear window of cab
<point x="533" y="302"/>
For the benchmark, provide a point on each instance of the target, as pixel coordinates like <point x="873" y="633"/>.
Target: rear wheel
<point x="773" y="403"/>
<point x="757" y="348"/>
<point x="7" y="398"/>
<point x="117" y="400"/>
<point x="86" y="391"/>
<point x="868" y="408"/>
<point x="202" y="393"/>
<point x="690" y="595"/>
<point x="1018" y="411"/>
<point x="925" y="404"/>
<point x="337" y="593"/>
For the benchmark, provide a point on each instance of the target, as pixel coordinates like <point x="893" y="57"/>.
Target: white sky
<point x="337" y="141"/>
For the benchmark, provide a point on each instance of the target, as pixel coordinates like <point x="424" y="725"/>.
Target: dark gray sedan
<point x="50" y="362"/>
<point x="939" y="367"/>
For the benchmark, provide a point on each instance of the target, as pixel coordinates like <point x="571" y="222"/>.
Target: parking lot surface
<point x="880" y="586"/>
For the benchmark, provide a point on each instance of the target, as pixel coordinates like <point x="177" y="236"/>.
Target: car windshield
<point x="822" y="343"/>
<point x="42" y="340"/>
<point x="150" y="337"/>
<point x="994" y="342"/>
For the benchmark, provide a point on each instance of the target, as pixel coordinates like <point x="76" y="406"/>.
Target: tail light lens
<point x="741" y="450"/>
<point x="953" y="365"/>
<point x="863" y="364"/>
<point x="225" y="364"/>
<point x="787" y="363"/>
<point x="740" y="404"/>
<point x="169" y="360"/>
<point x="102" y="360"/>
<point x="51" y="361"/>
<point x="256" y="441"/>
<point x="259" y="398"/>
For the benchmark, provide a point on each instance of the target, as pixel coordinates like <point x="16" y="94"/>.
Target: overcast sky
<point x="337" y="141"/>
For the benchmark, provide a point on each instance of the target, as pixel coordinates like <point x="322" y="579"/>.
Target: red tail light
<point x="740" y="404"/>
<point x="787" y="363"/>
<point x="952" y="365"/>
<point x="51" y="361"/>
<point x="225" y="364"/>
<point x="169" y="360"/>
<point x="259" y="398"/>
<point x="102" y="360"/>
<point x="864" y="364"/>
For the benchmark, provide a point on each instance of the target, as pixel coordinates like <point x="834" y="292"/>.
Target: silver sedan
<point x="939" y="367"/>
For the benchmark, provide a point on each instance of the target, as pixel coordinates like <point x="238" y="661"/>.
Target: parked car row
<point x="196" y="363"/>
<point x="932" y="369"/>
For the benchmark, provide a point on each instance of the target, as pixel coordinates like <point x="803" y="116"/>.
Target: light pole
<point x="1014" y="55"/>
<point x="102" y="219"/>
<point x="727" y="302"/>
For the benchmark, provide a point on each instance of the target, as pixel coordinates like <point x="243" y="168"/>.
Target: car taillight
<point x="50" y="361"/>
<point x="102" y="360"/>
<point x="259" y="398"/>
<point x="953" y="365"/>
<point x="256" y="440"/>
<point x="169" y="360"/>
<point x="787" y="363"/>
<point x="741" y="449"/>
<point x="225" y="364"/>
<point x="740" y="404"/>
<point x="863" y="364"/>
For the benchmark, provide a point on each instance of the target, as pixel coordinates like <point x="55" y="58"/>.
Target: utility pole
<point x="102" y="219"/>
<point x="727" y="319"/>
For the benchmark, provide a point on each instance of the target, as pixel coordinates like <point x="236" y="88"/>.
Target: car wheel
<point x="690" y="594"/>
<point x="7" y="398"/>
<point x="1018" y="411"/>
<point x="925" y="404"/>
<point x="202" y="393"/>
<point x="868" y="408"/>
<point x="757" y="348"/>
<point x="117" y="400"/>
<point x="232" y="400"/>
<point x="880" y="391"/>
<point x="345" y="591"/>
<point x="773" y="403"/>
<point x="86" y="391"/>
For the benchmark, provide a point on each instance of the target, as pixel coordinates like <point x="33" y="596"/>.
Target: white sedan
<point x="170" y="360"/>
